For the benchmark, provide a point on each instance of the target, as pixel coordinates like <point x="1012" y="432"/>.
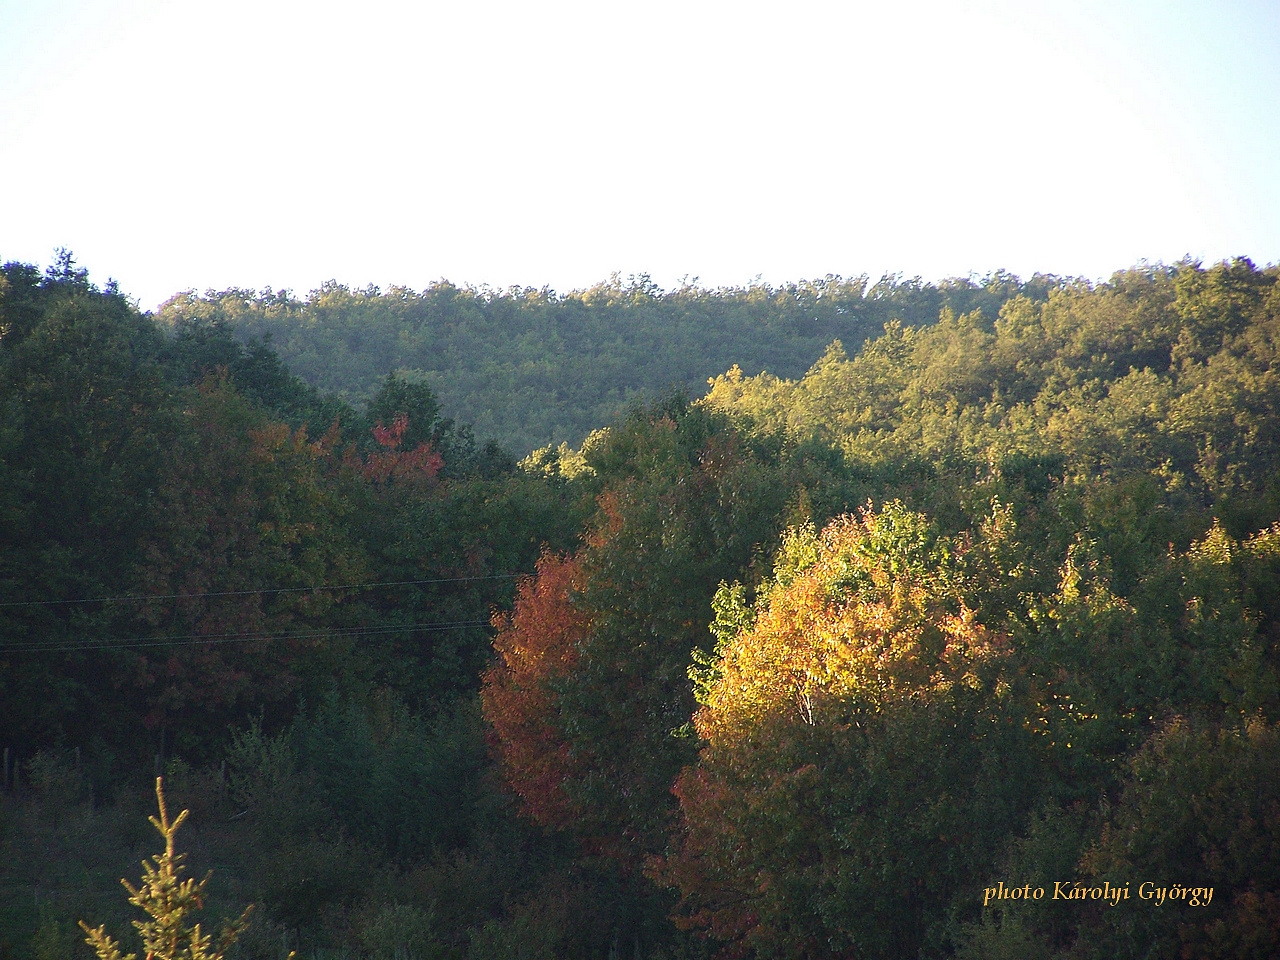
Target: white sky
<point x="175" y="144"/>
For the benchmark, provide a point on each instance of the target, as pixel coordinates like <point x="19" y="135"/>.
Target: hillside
<point x="532" y="367"/>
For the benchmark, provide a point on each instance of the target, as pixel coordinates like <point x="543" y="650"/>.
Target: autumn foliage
<point x="241" y="502"/>
<point x="845" y="726"/>
<point x="393" y="461"/>
<point x="1046" y="648"/>
<point x="536" y="644"/>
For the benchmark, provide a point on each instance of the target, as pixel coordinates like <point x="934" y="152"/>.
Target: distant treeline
<point x="530" y="367"/>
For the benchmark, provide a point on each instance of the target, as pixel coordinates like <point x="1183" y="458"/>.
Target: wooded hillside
<point x="805" y="666"/>
<point x="532" y="367"/>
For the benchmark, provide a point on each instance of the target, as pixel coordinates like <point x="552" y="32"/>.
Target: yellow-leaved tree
<point x="862" y="755"/>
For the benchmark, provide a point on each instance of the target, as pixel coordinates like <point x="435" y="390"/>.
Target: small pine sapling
<point x="168" y="900"/>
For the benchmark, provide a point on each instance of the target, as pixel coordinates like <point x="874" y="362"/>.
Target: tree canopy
<point x="529" y="367"/>
<point x="938" y="591"/>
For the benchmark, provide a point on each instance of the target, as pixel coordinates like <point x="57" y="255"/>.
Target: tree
<point x="537" y="646"/>
<point x="168" y="900"/>
<point x="247" y="529"/>
<point x="684" y="503"/>
<point x="862" y="753"/>
<point x="85" y="420"/>
<point x="1201" y="808"/>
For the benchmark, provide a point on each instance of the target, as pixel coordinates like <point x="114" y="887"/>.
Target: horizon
<point x="630" y="281"/>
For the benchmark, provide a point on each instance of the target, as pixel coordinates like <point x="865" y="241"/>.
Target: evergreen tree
<point x="168" y="900"/>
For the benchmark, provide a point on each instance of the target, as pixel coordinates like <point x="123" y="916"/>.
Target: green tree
<point x="86" y="417"/>
<point x="248" y="528"/>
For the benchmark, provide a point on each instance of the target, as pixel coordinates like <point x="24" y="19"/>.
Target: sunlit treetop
<point x="863" y="614"/>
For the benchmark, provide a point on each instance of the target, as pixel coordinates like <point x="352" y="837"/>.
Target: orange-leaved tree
<point x="536" y="643"/>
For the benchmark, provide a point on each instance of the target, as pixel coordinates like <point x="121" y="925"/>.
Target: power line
<point x="195" y="639"/>
<point x="138" y="598"/>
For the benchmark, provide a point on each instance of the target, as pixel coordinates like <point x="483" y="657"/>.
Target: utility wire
<point x="131" y="598"/>
<point x="194" y="639"/>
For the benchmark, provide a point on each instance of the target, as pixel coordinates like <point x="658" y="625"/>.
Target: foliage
<point x="532" y="367"/>
<point x="861" y="754"/>
<point x="599" y="667"/>
<point x="241" y="502"/>
<point x="1203" y="805"/>
<point x="536" y="643"/>
<point x="992" y="597"/>
<point x="86" y="420"/>
<point x="1131" y="376"/>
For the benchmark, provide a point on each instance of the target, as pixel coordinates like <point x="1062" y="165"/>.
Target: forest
<point x="530" y="367"/>
<point x="833" y="620"/>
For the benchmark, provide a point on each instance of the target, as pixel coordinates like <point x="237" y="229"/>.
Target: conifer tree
<point x="168" y="901"/>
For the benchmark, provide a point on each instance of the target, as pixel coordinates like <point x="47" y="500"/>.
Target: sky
<point x="176" y="144"/>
